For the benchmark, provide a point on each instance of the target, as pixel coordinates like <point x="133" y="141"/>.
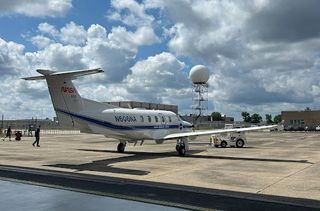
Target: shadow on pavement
<point x="106" y="165"/>
<point x="190" y="154"/>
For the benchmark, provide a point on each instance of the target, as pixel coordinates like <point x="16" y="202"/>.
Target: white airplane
<point x="123" y="124"/>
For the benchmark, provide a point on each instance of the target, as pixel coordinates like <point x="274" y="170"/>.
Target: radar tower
<point x="199" y="76"/>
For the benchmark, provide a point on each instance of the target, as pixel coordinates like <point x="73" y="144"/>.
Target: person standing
<point x="8" y="134"/>
<point x="30" y="130"/>
<point x="37" y="135"/>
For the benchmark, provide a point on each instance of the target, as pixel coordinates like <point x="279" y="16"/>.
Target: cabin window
<point x="141" y="118"/>
<point x="156" y="118"/>
<point x="163" y="120"/>
<point x="169" y="118"/>
<point x="149" y="118"/>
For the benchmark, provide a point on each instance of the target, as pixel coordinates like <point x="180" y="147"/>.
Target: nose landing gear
<point x="181" y="149"/>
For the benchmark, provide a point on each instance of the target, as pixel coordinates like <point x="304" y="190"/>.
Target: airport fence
<point x="44" y="132"/>
<point x="59" y="132"/>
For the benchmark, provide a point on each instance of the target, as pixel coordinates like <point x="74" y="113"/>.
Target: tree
<point x="256" y="118"/>
<point x="269" y="119"/>
<point x="246" y="116"/>
<point x="216" y="116"/>
<point x="277" y="118"/>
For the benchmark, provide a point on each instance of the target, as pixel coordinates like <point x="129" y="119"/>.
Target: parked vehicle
<point x="234" y="139"/>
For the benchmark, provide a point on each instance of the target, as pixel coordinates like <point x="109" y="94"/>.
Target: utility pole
<point x="1" y="124"/>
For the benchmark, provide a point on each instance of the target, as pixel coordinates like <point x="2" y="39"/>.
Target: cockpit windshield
<point x="180" y="118"/>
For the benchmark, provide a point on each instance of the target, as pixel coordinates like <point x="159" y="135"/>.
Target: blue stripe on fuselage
<point x="118" y="127"/>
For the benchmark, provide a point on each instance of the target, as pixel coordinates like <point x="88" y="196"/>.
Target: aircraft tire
<point x="216" y="145"/>
<point x="177" y="147"/>
<point x="239" y="143"/>
<point x="223" y="144"/>
<point x="182" y="150"/>
<point x="121" y="147"/>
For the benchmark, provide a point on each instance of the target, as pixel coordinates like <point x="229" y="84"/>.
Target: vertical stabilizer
<point x="65" y="98"/>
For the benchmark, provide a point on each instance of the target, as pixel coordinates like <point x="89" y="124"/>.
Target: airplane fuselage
<point x="132" y="124"/>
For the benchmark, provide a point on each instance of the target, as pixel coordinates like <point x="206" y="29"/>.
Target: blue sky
<point x="260" y="53"/>
<point x="17" y="26"/>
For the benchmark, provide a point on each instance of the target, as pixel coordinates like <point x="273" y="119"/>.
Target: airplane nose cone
<point x="187" y="124"/>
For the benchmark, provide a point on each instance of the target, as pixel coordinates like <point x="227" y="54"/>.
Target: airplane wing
<point x="212" y="132"/>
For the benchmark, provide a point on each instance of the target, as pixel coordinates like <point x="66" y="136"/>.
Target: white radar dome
<point x="199" y="74"/>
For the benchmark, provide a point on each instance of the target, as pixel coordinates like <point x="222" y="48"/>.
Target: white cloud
<point x="97" y="31"/>
<point x="154" y="77"/>
<point x="103" y="54"/>
<point x="41" y="41"/>
<point x="74" y="47"/>
<point x="111" y="92"/>
<point x="132" y="40"/>
<point x="206" y="29"/>
<point x="130" y="13"/>
<point x="58" y="57"/>
<point x="248" y="72"/>
<point x="162" y="69"/>
<point x="73" y="34"/>
<point x="119" y="37"/>
<point x="11" y="58"/>
<point x="30" y="97"/>
<point x="36" y="8"/>
<point x="114" y="52"/>
<point x="48" y="29"/>
<point x="15" y="94"/>
<point x="158" y="78"/>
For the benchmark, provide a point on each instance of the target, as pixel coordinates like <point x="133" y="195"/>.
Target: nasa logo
<point x="67" y="89"/>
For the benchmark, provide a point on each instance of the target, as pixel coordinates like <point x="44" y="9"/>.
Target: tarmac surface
<point x="274" y="170"/>
<point x="36" y="198"/>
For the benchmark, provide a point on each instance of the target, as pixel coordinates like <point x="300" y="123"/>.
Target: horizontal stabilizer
<point x="34" y="78"/>
<point x="72" y="74"/>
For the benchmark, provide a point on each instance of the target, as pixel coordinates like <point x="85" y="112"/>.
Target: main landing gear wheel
<point x="181" y="149"/>
<point x="177" y="147"/>
<point x="121" y="147"/>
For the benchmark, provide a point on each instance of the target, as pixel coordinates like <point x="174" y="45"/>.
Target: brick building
<point x="300" y="120"/>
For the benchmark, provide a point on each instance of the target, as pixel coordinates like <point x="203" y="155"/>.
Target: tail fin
<point x="65" y="98"/>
